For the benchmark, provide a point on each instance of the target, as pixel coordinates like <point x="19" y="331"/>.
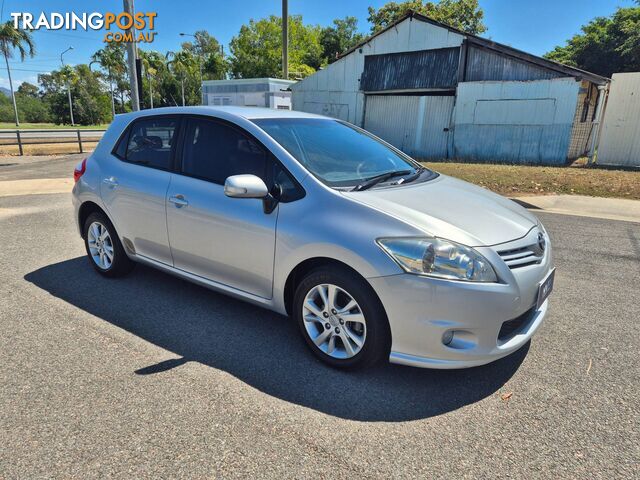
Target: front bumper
<point x="422" y="309"/>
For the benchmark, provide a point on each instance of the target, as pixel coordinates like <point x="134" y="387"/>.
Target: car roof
<point x="249" y="113"/>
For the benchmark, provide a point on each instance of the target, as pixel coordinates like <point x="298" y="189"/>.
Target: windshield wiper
<point x="413" y="177"/>
<point x="378" y="179"/>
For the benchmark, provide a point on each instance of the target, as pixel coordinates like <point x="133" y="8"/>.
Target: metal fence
<point x="22" y="137"/>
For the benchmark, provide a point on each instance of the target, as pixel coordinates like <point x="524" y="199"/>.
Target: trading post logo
<point x="138" y="27"/>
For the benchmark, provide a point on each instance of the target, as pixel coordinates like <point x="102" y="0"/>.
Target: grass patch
<point x="48" y="126"/>
<point x="520" y="180"/>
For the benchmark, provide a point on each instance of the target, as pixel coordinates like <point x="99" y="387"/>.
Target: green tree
<point x="91" y="103"/>
<point x="28" y="90"/>
<point x="31" y="107"/>
<point x="155" y="69"/>
<point x="606" y="44"/>
<point x="257" y="49"/>
<point x="111" y="59"/>
<point x="465" y="15"/>
<point x="339" y="37"/>
<point x="11" y="39"/>
<point x="209" y="52"/>
<point x="184" y="66"/>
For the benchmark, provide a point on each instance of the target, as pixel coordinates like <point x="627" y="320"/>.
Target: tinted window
<point x="121" y="149"/>
<point x="150" y="142"/>
<point x="291" y="191"/>
<point x="335" y="152"/>
<point x="214" y="151"/>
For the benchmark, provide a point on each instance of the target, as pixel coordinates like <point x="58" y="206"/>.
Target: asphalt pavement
<point x="152" y="377"/>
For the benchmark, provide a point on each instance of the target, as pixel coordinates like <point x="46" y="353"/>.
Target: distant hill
<point x="5" y="91"/>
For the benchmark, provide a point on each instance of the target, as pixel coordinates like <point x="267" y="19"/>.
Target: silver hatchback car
<point x="374" y="256"/>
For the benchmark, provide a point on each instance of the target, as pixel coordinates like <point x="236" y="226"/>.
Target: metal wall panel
<point x="620" y="141"/>
<point x="410" y="35"/>
<point x="541" y="134"/>
<point x="417" y="125"/>
<point x="485" y="65"/>
<point x="411" y="70"/>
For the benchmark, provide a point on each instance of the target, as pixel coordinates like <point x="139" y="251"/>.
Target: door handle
<point x="179" y="201"/>
<point x="111" y="182"/>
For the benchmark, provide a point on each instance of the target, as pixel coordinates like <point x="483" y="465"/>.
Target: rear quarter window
<point x="149" y="142"/>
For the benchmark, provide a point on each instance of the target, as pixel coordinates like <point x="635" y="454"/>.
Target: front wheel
<point x="341" y="318"/>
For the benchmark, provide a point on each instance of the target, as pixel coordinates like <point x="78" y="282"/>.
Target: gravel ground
<point x="152" y="377"/>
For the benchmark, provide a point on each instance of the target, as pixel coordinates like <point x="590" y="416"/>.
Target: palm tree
<point x="182" y="64"/>
<point x="152" y="63"/>
<point x="11" y="39"/>
<point x="69" y="77"/>
<point x="111" y="58"/>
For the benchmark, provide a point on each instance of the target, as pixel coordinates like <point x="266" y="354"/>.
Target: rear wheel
<point x="103" y="246"/>
<point x="341" y="318"/>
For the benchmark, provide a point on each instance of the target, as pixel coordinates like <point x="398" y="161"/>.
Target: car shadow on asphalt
<point x="262" y="348"/>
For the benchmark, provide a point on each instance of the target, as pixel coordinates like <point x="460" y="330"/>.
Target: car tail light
<point x="79" y="170"/>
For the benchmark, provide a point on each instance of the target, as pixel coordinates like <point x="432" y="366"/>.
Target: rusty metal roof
<point x="489" y="44"/>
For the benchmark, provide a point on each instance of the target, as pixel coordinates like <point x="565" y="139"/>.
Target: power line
<point x="71" y="35"/>
<point x="28" y="70"/>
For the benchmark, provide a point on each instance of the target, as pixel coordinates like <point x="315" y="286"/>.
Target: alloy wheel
<point x="334" y="321"/>
<point x="100" y="245"/>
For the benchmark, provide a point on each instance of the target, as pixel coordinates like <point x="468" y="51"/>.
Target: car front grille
<point x="522" y="257"/>
<point x="511" y="328"/>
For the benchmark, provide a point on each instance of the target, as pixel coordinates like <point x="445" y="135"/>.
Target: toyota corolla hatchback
<point x="374" y="256"/>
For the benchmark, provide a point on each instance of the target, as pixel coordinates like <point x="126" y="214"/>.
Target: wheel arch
<point x="87" y="208"/>
<point x="306" y="266"/>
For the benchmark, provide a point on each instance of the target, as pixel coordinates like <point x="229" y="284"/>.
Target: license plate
<point x="545" y="288"/>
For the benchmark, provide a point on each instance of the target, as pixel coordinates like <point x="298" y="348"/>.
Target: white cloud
<point x="4" y="81"/>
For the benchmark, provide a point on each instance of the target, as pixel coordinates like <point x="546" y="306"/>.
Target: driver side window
<point x="214" y="151"/>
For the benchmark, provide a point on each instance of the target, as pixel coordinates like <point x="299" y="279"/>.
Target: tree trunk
<point x="113" y="103"/>
<point x="13" y="95"/>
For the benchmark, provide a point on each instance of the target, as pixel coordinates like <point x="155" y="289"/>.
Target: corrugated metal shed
<point x="620" y="140"/>
<point x="336" y="90"/>
<point x="516" y="121"/>
<point x="425" y="69"/>
<point x="484" y="64"/>
<point x="524" y="122"/>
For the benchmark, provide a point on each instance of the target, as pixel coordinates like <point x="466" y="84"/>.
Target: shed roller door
<point x="417" y="125"/>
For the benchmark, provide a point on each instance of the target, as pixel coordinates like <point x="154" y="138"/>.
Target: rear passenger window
<point x="150" y="142"/>
<point x="214" y="151"/>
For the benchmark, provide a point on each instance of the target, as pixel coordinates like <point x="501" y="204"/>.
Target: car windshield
<point x="337" y="153"/>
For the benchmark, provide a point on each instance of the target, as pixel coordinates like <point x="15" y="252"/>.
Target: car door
<point x="134" y="185"/>
<point x="227" y="240"/>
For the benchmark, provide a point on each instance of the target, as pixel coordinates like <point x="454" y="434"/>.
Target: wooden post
<point x="19" y="142"/>
<point x="79" y="140"/>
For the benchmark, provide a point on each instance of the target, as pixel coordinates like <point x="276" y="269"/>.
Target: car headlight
<point x="439" y="258"/>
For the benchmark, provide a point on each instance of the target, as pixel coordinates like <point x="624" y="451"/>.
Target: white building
<point x="248" y="92"/>
<point x="436" y="92"/>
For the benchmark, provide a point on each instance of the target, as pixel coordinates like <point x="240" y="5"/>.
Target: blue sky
<point x="533" y="26"/>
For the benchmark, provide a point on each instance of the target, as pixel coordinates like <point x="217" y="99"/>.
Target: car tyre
<point x="104" y="249"/>
<point x="318" y="324"/>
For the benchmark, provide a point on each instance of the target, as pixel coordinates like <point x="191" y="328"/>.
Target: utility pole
<point x="131" y="60"/>
<point x="285" y="39"/>
<point x="69" y="87"/>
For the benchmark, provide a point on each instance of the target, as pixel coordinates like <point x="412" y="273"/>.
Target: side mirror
<point x="245" y="186"/>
